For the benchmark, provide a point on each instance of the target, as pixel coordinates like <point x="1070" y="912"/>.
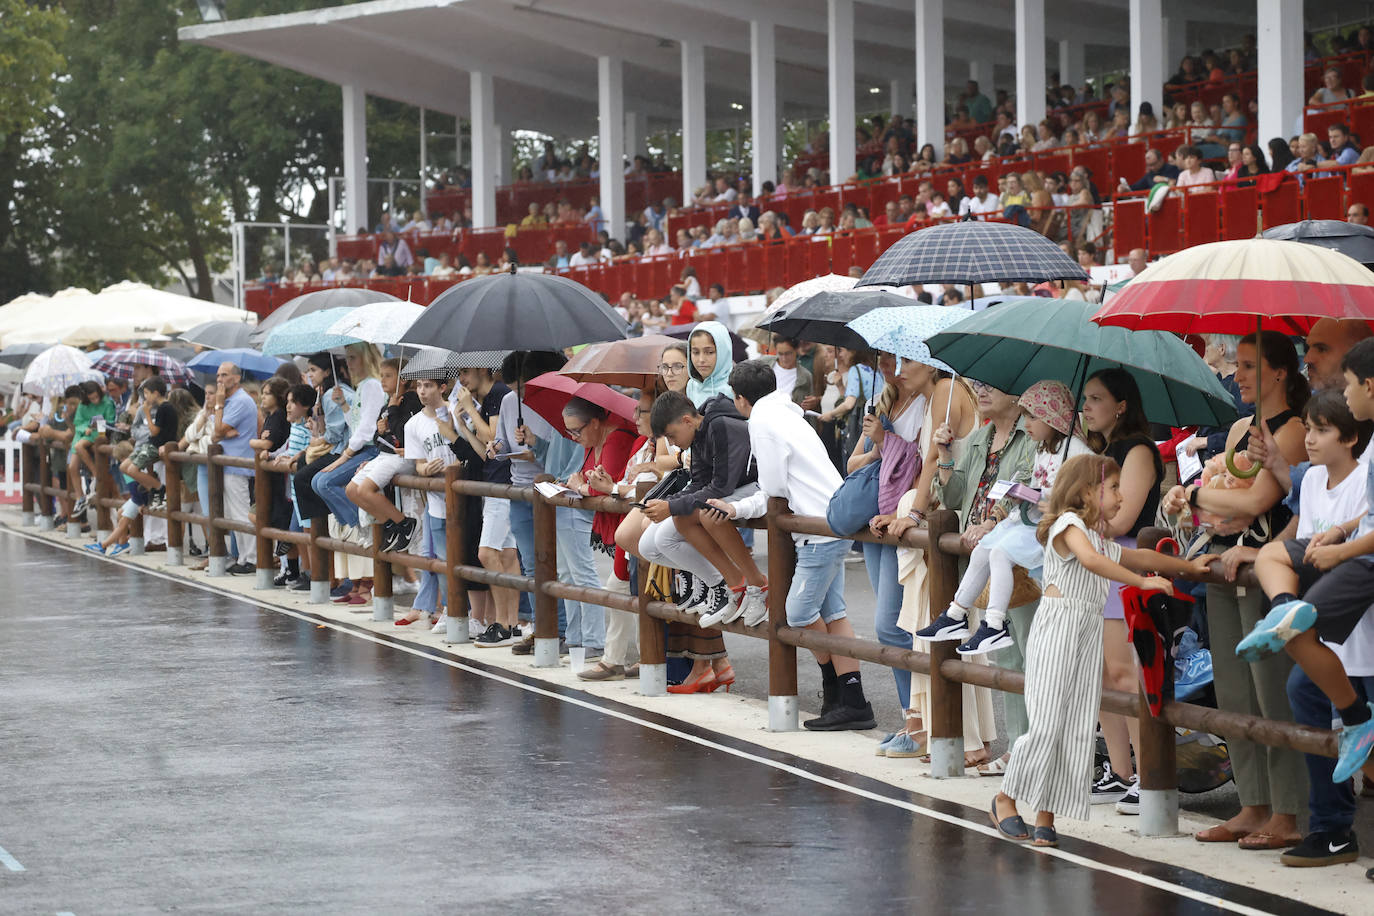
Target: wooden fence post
<point x="262" y="518"/>
<point x="28" y="473"/>
<point x="176" y="530"/>
<point x="946" y="697"/>
<point x="782" y="658"/>
<point x="1157" y="755"/>
<point x="321" y="560"/>
<point x="219" y="551"/>
<point x="45" y="516"/>
<point x="545" y="570"/>
<point x="383" y="604"/>
<point x="455" y="524"/>
<point x="104" y="488"/>
<point x="653" y="648"/>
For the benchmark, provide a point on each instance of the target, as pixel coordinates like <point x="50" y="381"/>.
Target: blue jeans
<point x="1332" y="806"/>
<point x="586" y="622"/>
<point x="432" y="585"/>
<point x="817" y="591"/>
<point x="881" y="560"/>
<point x="522" y="526"/>
<point x="330" y="486"/>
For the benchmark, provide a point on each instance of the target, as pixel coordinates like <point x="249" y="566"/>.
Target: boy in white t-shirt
<point x="1308" y="559"/>
<point x="428" y="437"/>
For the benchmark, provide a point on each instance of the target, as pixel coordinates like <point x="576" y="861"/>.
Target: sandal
<point x="1045" y="836"/>
<point x="995" y="767"/>
<point x="1013" y="828"/>
<point x="1268" y="841"/>
<point x="1220" y="834"/>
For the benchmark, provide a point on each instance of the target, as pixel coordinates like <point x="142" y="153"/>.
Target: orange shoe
<point x="724" y="678"/>
<point x="704" y="682"/>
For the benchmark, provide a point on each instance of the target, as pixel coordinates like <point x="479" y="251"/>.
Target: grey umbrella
<point x="824" y="316"/>
<point x="510" y="311"/>
<point x="219" y="335"/>
<point x="445" y="364"/>
<point x="20" y="355"/>
<point x="972" y="252"/>
<point x="1348" y="238"/>
<point x="346" y="297"/>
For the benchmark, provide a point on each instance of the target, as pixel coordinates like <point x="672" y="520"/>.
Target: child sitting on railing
<point x="1048" y="408"/>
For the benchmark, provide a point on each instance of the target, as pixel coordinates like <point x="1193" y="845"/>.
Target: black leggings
<point x="308" y="502"/>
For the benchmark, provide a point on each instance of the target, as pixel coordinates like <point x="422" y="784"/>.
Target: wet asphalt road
<point x="165" y="749"/>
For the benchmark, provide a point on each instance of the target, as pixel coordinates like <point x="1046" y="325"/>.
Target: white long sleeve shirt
<point x="791" y="461"/>
<point x="362" y="418"/>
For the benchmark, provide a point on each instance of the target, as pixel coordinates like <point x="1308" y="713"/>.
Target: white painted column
<point x="636" y="134"/>
<point x="899" y="97"/>
<point x="610" y="86"/>
<point x="1071" y="62"/>
<point x="840" y="73"/>
<point x="1175" y="46"/>
<point x="355" y="158"/>
<point x="482" y="110"/>
<point x="980" y="70"/>
<point x="763" y="98"/>
<point x="693" y="118"/>
<point x="930" y="73"/>
<point x="1030" y="61"/>
<point x="1279" y="49"/>
<point x="1147" y="62"/>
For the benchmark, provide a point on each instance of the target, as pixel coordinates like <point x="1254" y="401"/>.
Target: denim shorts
<point x="817" y="591"/>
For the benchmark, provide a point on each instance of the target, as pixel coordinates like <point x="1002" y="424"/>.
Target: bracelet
<point x="945" y="465"/>
<point x="1192" y="496"/>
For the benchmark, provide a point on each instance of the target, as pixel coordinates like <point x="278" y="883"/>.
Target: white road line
<point x="976" y="827"/>
<point x="9" y="861"/>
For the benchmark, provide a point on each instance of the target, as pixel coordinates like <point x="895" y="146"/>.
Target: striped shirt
<point x="1067" y="574"/>
<point x="299" y="438"/>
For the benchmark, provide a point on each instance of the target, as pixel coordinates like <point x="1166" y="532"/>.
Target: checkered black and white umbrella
<point x="120" y="364"/>
<point x="972" y="252"/>
<point x="445" y="364"/>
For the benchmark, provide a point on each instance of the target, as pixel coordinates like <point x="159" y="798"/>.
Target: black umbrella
<point x="516" y="311"/>
<point x="20" y="355"/>
<point x="739" y="350"/>
<point x="342" y="297"/>
<point x="219" y="335"/>
<point x="972" y="252"/>
<point x="822" y="317"/>
<point x="1348" y="238"/>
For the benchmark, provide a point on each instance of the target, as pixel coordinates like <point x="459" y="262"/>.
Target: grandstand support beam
<point x="1072" y="64"/>
<point x="763" y="101"/>
<point x="899" y="97"/>
<point x="636" y="134"/>
<point x="1175" y="46"/>
<point x="840" y="75"/>
<point x="355" y="157"/>
<point x="1030" y="61"/>
<point x="610" y="106"/>
<point x="693" y="119"/>
<point x="982" y="71"/>
<point x="1147" y="58"/>
<point x="930" y="72"/>
<point x="1279" y="47"/>
<point x="485" y="169"/>
<point x="505" y="154"/>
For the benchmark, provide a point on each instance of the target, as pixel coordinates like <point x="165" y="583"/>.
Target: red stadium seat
<point x="841" y="252"/>
<point x="1362" y="189"/>
<point x="1325" y="197"/>
<point x="774" y="258"/>
<point x="865" y="248"/>
<point x="1200" y="220"/>
<point x="1165" y="227"/>
<point x="1128" y="225"/>
<point x="1239" y="213"/>
<point x="1281" y="206"/>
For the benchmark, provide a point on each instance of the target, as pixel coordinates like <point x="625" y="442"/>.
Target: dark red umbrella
<point x="549" y="393"/>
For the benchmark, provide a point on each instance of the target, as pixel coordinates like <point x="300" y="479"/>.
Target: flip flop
<point x="1268" y="841"/>
<point x="1045" y="836"/>
<point x="994" y="767"/>
<point x="1220" y="834"/>
<point x="1013" y="828"/>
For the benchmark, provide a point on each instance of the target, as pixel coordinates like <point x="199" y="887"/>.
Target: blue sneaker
<point x="116" y="550"/>
<point x="342" y="589"/>
<point x="1356" y="743"/>
<point x="903" y="745"/>
<point x="945" y="628"/>
<point x="881" y="750"/>
<point x="1272" y="633"/>
<point x="96" y="548"/>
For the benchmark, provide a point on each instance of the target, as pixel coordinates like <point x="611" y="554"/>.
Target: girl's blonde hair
<point x="185" y="406"/>
<point x="371" y="360"/>
<point x="1078" y="489"/>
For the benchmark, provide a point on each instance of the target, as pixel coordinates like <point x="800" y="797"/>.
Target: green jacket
<point x="85" y="412"/>
<point x="1018" y="457"/>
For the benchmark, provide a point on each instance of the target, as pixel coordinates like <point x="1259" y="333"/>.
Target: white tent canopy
<point x="125" y="311"/>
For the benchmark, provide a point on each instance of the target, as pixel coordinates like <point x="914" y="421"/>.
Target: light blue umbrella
<point x="250" y="362"/>
<point x="903" y="331"/>
<point x="307" y="334"/>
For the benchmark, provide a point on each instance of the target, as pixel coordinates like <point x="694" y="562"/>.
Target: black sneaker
<point x="194" y="550"/>
<point x="1322" y="848"/>
<point x="944" y="628"/>
<point x="986" y="640"/>
<point x="843" y="718"/>
<point x="1110" y="789"/>
<point x="302" y="583"/>
<point x="158" y="500"/>
<point x="494" y="636"/>
<point x="400" y="536"/>
<point x="687" y="589"/>
<point x="281" y="550"/>
<point x="284" y="579"/>
<point x="1130" y="802"/>
<point x="720" y="601"/>
<point x="242" y="569"/>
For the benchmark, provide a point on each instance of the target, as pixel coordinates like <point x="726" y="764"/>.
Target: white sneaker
<point x="475" y="628"/>
<point x="753" y="610"/>
<point x="404" y="587"/>
<point x="441" y="627"/>
<point x="721" y="602"/>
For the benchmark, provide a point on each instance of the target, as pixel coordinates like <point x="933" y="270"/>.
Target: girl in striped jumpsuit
<point x="1051" y="765"/>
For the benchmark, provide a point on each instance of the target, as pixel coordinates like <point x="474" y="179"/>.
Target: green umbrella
<point x="1024" y="339"/>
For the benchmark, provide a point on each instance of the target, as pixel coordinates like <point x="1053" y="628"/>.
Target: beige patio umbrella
<point x="33" y="310"/>
<point x="125" y="311"/>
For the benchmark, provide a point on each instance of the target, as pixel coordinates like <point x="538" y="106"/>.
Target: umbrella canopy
<point x="632" y="363"/>
<point x="446" y="364"/>
<point x="903" y="331"/>
<point x="972" y="252"/>
<point x="20" y="355"/>
<point x="1353" y="241"/>
<point x="219" y="335"/>
<point x="378" y="322"/>
<point x="251" y="363"/>
<point x="123" y="312"/>
<point x="547" y="394"/>
<point x="1231" y="287"/>
<point x="739" y="350"/>
<point x="30" y="309"/>
<point x="792" y="295"/>
<point x="516" y="311"/>
<point x="308" y="334"/>
<point x="1026" y="339"/>
<point x="56" y="368"/>
<point x="825" y="316"/>
<point x="120" y="364"/>
<point x="342" y="297"/>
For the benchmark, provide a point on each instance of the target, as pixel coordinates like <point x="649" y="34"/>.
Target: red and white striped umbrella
<point x="1233" y="287"/>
